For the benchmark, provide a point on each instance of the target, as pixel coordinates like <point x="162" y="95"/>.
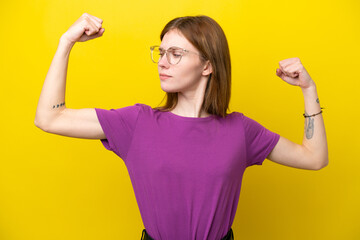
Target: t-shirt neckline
<point x="199" y="119"/>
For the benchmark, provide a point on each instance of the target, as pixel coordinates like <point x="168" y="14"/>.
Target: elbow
<point x="41" y="125"/>
<point x="318" y="160"/>
<point x="37" y="123"/>
<point x="321" y="164"/>
<point x="39" y="120"/>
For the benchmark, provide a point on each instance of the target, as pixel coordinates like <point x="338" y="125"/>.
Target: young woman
<point x="185" y="159"/>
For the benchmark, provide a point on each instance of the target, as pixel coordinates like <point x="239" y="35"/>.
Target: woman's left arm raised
<point x="313" y="153"/>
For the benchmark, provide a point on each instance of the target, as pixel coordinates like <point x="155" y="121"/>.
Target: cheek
<point x="189" y="73"/>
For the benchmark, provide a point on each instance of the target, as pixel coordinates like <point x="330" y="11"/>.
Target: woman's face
<point x="188" y="73"/>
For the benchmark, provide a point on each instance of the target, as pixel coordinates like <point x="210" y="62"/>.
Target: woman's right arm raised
<point x="51" y="114"/>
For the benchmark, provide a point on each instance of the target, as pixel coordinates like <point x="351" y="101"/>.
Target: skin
<point x="312" y="154"/>
<point x="189" y="77"/>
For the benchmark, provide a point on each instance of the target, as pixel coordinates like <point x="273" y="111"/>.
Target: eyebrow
<point x="174" y="47"/>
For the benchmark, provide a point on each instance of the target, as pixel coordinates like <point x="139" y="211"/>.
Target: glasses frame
<point x="167" y="55"/>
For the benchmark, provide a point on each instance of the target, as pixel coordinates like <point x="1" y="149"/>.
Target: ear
<point x="207" y="68"/>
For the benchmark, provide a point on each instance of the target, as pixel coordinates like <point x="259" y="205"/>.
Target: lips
<point x="164" y="76"/>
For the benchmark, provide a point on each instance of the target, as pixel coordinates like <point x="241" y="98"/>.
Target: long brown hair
<point x="206" y="35"/>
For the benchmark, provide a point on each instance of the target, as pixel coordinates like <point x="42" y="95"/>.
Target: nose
<point x="163" y="62"/>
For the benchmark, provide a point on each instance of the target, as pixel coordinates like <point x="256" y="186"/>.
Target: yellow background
<point x="55" y="187"/>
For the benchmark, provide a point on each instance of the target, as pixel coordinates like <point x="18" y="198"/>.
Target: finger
<point x="282" y="68"/>
<point x="95" y="21"/>
<point x="286" y="78"/>
<point x="285" y="63"/>
<point x="93" y="17"/>
<point x="290" y="80"/>
<point x="289" y="65"/>
<point x="91" y="28"/>
<point x="292" y="65"/>
<point x="284" y="72"/>
<point x="98" y="19"/>
<point x="280" y="74"/>
<point x="293" y="70"/>
<point x="98" y="34"/>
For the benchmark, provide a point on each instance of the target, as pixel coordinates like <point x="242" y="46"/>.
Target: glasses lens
<point x="175" y="56"/>
<point x="155" y="54"/>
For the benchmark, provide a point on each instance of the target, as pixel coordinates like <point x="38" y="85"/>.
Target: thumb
<point x="98" y="34"/>
<point x="285" y="78"/>
<point x="279" y="73"/>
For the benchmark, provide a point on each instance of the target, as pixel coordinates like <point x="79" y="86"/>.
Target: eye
<point x="176" y="53"/>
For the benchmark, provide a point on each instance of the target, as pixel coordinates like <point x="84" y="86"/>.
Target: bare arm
<point x="313" y="153"/>
<point x="51" y="114"/>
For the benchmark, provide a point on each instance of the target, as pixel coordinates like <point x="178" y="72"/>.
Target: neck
<point x="190" y="105"/>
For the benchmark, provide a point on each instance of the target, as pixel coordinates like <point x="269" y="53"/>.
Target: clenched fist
<point x="293" y="72"/>
<point x="85" y="28"/>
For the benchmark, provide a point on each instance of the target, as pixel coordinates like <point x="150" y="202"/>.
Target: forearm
<point x="52" y="97"/>
<point x="314" y="139"/>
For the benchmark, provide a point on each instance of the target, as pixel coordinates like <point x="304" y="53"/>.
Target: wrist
<point x="64" y="42"/>
<point x="310" y="89"/>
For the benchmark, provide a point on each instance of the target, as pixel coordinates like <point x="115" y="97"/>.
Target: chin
<point x="169" y="90"/>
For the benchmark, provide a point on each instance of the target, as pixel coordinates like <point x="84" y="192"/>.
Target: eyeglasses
<point x="173" y="54"/>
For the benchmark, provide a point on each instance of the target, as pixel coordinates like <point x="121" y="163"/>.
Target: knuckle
<point x="85" y="19"/>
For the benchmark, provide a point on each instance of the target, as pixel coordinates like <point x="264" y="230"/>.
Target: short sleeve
<point x="259" y="141"/>
<point x="118" y="126"/>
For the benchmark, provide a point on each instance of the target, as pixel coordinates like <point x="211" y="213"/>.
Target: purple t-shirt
<point x="186" y="172"/>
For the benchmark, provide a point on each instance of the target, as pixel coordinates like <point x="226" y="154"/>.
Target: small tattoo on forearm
<point x="309" y="127"/>
<point x="317" y="100"/>
<point x="59" y="105"/>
